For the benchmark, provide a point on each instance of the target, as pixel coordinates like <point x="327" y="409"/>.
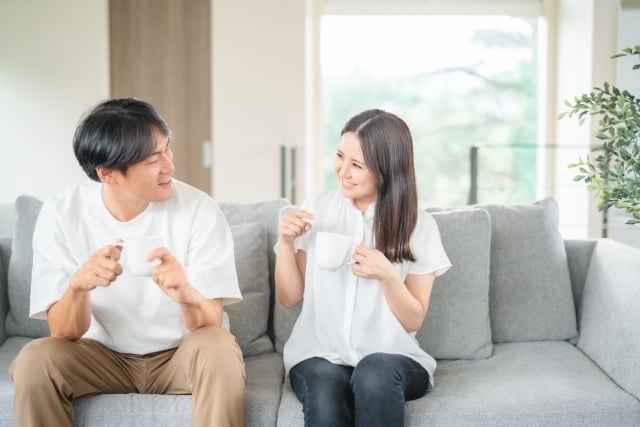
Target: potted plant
<point x="612" y="169"/>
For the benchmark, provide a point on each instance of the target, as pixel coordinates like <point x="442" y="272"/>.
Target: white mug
<point x="135" y="250"/>
<point x="333" y="250"/>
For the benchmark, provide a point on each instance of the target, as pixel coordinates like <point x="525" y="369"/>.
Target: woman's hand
<point x="370" y="263"/>
<point x="409" y="300"/>
<point x="294" y="224"/>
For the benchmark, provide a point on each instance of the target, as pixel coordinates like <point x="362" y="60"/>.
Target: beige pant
<point x="49" y="372"/>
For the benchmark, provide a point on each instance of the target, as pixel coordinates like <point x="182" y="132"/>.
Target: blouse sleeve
<point x="302" y="242"/>
<point x="426" y="245"/>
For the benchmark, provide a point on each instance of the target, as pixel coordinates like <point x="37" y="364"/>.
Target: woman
<point x="352" y="356"/>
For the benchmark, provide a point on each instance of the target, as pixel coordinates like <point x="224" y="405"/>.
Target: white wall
<point x="53" y="67"/>
<point x="585" y="40"/>
<point x="258" y="94"/>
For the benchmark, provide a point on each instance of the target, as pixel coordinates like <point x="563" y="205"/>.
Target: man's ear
<point x="105" y="175"/>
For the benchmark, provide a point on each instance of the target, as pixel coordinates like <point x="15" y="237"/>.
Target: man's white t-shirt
<point x="132" y="314"/>
<point x="345" y="317"/>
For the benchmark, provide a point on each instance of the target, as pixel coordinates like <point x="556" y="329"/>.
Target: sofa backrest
<point x="18" y="322"/>
<point x="5" y="254"/>
<point x="509" y="282"/>
<point x="457" y="324"/>
<point x="254" y="228"/>
<point x="260" y="299"/>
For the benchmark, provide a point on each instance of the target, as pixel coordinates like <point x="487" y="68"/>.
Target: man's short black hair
<point x="116" y="134"/>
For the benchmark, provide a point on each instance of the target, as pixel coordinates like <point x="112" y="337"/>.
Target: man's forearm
<point x="70" y="317"/>
<point x="205" y="312"/>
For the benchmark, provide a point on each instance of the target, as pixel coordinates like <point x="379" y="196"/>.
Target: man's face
<point x="150" y="179"/>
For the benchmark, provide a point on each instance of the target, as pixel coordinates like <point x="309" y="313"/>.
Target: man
<point x="113" y="331"/>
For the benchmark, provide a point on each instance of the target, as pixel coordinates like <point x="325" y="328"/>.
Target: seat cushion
<point x="523" y="384"/>
<point x="263" y="385"/>
<point x="8" y="351"/>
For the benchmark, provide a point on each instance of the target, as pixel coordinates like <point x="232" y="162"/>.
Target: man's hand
<point x="99" y="270"/>
<point x="70" y="317"/>
<point x="172" y="279"/>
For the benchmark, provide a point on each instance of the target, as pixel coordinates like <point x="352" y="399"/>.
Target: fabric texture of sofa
<point x="528" y="329"/>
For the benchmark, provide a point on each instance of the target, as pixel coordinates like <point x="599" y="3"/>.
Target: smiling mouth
<point x="168" y="181"/>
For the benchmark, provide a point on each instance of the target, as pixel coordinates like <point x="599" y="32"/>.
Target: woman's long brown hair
<point x="387" y="147"/>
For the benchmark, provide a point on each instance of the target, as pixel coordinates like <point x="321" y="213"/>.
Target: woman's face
<point x="354" y="178"/>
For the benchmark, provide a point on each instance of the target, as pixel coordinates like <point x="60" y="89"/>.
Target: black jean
<point x="371" y="394"/>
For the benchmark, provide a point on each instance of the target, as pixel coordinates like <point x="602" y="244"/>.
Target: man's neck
<point x="121" y="209"/>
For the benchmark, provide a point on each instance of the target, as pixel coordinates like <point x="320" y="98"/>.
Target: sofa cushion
<point x="19" y="274"/>
<point x="248" y="318"/>
<point x="610" y="313"/>
<point x="266" y="212"/>
<point x="283" y="321"/>
<point x="457" y="325"/>
<point x="530" y="295"/>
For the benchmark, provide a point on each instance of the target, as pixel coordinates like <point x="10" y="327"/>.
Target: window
<point x="458" y="81"/>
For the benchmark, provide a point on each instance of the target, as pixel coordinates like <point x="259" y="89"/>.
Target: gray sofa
<point x="528" y="329"/>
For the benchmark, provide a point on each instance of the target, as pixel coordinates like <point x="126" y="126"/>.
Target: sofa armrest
<point x="609" y="319"/>
<point x="5" y="254"/>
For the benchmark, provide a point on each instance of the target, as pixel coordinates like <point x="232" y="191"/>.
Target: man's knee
<point x="214" y="339"/>
<point x="216" y="347"/>
<point x="37" y="358"/>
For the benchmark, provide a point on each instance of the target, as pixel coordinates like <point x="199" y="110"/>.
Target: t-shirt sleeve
<point x="210" y="263"/>
<point x="426" y="245"/>
<point x="53" y="264"/>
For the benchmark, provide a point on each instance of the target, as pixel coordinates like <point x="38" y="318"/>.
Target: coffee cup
<point x="135" y="251"/>
<point x="333" y="250"/>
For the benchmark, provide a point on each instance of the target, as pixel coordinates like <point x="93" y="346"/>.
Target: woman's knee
<point x="324" y="390"/>
<point x="374" y="374"/>
<point x="321" y="377"/>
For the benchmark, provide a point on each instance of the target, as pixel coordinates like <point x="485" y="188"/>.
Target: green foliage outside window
<point x="451" y="109"/>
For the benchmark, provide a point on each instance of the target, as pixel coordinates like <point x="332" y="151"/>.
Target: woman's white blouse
<point x="344" y="317"/>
